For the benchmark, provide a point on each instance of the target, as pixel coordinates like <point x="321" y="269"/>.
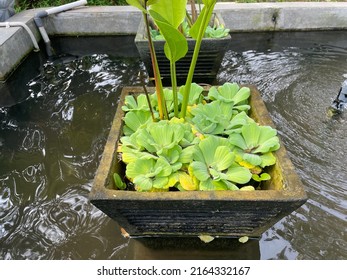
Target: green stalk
<point x="147" y="96"/>
<point x="157" y="78"/>
<point x="174" y="86"/>
<point x="189" y="19"/>
<point x="193" y="64"/>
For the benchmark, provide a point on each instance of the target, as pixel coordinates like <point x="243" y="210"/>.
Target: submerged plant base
<point x="196" y="213"/>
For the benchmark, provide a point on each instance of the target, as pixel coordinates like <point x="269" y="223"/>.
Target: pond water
<point x="55" y="117"/>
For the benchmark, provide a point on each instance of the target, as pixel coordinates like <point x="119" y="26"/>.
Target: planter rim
<point x="259" y="195"/>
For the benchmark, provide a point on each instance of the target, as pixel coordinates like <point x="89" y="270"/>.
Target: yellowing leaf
<point x="246" y="164"/>
<point x="187" y="182"/>
<point x="206" y="238"/>
<point x="243" y="239"/>
<point x="247" y="188"/>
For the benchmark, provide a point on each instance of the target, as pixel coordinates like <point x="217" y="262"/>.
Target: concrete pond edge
<point x="16" y="43"/>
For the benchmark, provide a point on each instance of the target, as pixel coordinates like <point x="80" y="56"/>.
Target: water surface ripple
<point x="53" y="133"/>
<point x="298" y="85"/>
<point x="51" y="144"/>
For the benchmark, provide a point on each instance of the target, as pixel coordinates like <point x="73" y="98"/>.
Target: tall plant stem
<point x="147" y="96"/>
<point x="193" y="11"/>
<point x="189" y="19"/>
<point x="174" y="86"/>
<point x="157" y="78"/>
<point x="193" y="64"/>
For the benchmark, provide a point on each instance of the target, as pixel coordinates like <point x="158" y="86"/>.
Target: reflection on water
<point x="51" y="144"/>
<point x="53" y="126"/>
<point x="298" y="83"/>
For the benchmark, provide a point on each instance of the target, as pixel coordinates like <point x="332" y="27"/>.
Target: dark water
<point x="55" y="117"/>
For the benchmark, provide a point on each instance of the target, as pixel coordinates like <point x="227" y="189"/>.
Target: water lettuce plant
<point x="190" y="138"/>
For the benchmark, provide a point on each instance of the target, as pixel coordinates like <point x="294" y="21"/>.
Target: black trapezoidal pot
<point x="211" y="54"/>
<point x="195" y="213"/>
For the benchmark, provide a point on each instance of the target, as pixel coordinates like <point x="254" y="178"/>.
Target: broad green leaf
<point x="262" y="177"/>
<point x="140" y="103"/>
<point x="231" y="186"/>
<point x="237" y="122"/>
<point x="220" y="185"/>
<point x="176" y="45"/>
<point x="161" y="183"/>
<point x="186" y="156"/>
<point x="140" y="4"/>
<point x="231" y="92"/>
<point x="154" y="172"/>
<point x="129" y="157"/>
<point x="139" y="167"/>
<point x="130" y="103"/>
<point x="267" y="159"/>
<point x="214" y="174"/>
<point x="165" y="167"/>
<point x="172" y="155"/>
<point x="127" y="130"/>
<point x="223" y="158"/>
<point x="211" y="118"/>
<point x="194" y="93"/>
<point x="242" y="95"/>
<point x="143" y="183"/>
<point x="199" y="170"/>
<point x="173" y="11"/>
<point x="267" y="140"/>
<point x="198" y="155"/>
<point x="239" y="175"/>
<point x="148" y="173"/>
<point x="206" y="127"/>
<point x="252" y="159"/>
<point x="208" y="148"/>
<point x="130" y="142"/>
<point x="233" y="88"/>
<point x="255" y="140"/>
<point x="251" y="133"/>
<point x="165" y="135"/>
<point x="228" y="90"/>
<point x="176" y="166"/>
<point x="145" y="140"/>
<point x="207" y="185"/>
<point x="237" y="140"/>
<point x="211" y="185"/>
<point x="135" y="119"/>
<point x="162" y="133"/>
<point x="241" y="108"/>
<point x="129" y="154"/>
